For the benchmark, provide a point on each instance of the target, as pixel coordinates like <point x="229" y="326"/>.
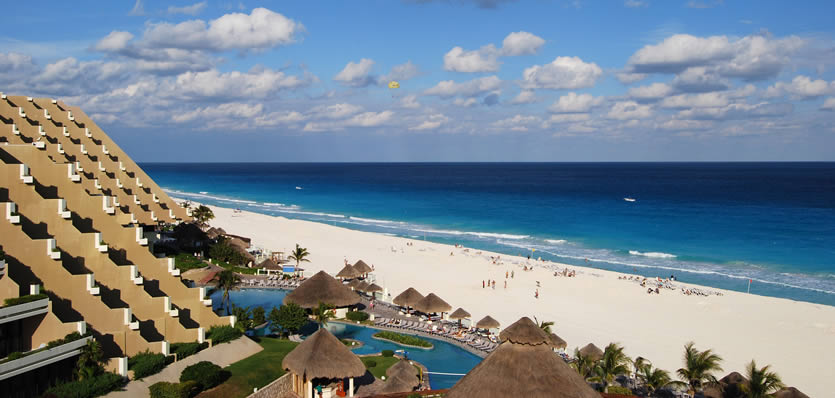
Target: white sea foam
<point x="557" y="241"/>
<point x="652" y="254"/>
<point x="375" y="221"/>
<point x="273" y="204"/>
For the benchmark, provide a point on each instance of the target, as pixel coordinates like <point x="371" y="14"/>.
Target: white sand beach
<point x="796" y="338"/>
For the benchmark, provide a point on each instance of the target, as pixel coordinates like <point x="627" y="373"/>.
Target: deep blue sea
<point x="715" y="224"/>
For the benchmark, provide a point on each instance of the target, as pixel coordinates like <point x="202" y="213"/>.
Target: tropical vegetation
<point x="698" y="368"/>
<point x="299" y="255"/>
<point x="227" y="281"/>
<point x="288" y="318"/>
<point x="146" y="364"/>
<point x="322" y="314"/>
<point x="761" y="381"/>
<point x="614" y="363"/>
<point x="404" y="339"/>
<point x="202" y="215"/>
<point x="255" y="371"/>
<point x="223" y="334"/>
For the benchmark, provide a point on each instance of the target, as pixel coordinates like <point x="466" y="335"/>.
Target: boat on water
<point x="629" y="199"/>
<point x="299" y="188"/>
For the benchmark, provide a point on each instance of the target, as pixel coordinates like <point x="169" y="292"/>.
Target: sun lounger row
<point x="449" y="332"/>
<point x="282" y="284"/>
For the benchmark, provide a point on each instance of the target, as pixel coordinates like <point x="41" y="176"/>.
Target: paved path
<point x="222" y="355"/>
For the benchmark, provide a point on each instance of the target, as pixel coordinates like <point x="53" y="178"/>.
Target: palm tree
<point x="299" y="255"/>
<point x="322" y="313"/>
<point x="227" y="281"/>
<point x="614" y="363"/>
<point x="654" y="378"/>
<point x="202" y="214"/>
<point x="584" y="365"/>
<point x="761" y="382"/>
<point x="699" y="367"/>
<point x="90" y="362"/>
<point x="545" y="326"/>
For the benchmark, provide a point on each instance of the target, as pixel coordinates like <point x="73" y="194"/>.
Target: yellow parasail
<point x="394" y="84"/>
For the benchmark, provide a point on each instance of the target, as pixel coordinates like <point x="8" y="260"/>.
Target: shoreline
<point x="593" y="306"/>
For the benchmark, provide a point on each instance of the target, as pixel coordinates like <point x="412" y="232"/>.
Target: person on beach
<point x="482" y="283"/>
<point x="505" y="284"/>
<point x="536" y="294"/>
<point x="494" y="285"/>
<point x="505" y="274"/>
<point x="511" y="274"/>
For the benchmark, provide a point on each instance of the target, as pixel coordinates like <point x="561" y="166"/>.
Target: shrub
<point x="222" y="334"/>
<point x="24" y="299"/>
<point x="15" y="355"/>
<point x="145" y="364"/>
<point x="185" y="262"/>
<point x="258" y="316"/>
<point x="619" y="390"/>
<point x="388" y="353"/>
<point x="184" y="350"/>
<point x="289" y="318"/>
<point x="88" y="388"/>
<point x="165" y="389"/>
<point x="205" y="374"/>
<point x="227" y="253"/>
<point x="357" y="316"/>
<point x="403" y="339"/>
<point x="414" y="395"/>
<point x="370" y="364"/>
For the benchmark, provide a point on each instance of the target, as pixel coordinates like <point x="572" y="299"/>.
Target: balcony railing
<point x="24" y="310"/>
<point x="42" y="358"/>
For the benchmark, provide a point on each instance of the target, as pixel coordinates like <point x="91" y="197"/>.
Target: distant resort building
<point x="78" y="218"/>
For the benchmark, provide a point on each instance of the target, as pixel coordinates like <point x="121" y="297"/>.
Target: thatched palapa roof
<point x="402" y="377"/>
<point x="362" y="267"/>
<point x="373" y="288"/>
<point x="432" y="303"/>
<point x="362" y="286"/>
<point x="790" y="392"/>
<point x="592" y="351"/>
<point x="557" y="341"/>
<point x="487" y="323"/>
<point x="323" y="355"/>
<point x="349" y="272"/>
<point x="269" y="264"/>
<point x="354" y="283"/>
<point x="523" y="365"/>
<point x="459" y="314"/>
<point x="322" y="288"/>
<point x="408" y="298"/>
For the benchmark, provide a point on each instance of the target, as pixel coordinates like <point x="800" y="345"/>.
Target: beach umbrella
<point x="459" y="314"/>
<point x="557" y="341"/>
<point x="362" y="286"/>
<point x="790" y="392"/>
<point x="487" y="323"/>
<point x="592" y="351"/>
<point x="322" y="355"/>
<point x="322" y="288"/>
<point x="348" y="272"/>
<point x="522" y="366"/>
<point x="408" y="298"/>
<point x="431" y="304"/>
<point x="373" y="288"/>
<point x="362" y="267"/>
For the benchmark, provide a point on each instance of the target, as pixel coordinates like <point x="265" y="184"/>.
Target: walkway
<point x="221" y="355"/>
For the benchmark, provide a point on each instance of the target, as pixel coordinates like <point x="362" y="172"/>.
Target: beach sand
<point x="796" y="338"/>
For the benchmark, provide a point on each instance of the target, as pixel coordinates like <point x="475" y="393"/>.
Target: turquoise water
<point x="443" y="358"/>
<point x="714" y="224"/>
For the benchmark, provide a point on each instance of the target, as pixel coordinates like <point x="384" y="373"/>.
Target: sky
<point x="479" y="80"/>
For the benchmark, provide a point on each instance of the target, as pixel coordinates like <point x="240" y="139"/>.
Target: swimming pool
<point x="443" y="358"/>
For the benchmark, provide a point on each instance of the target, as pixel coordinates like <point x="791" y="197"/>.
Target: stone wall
<point x="277" y="388"/>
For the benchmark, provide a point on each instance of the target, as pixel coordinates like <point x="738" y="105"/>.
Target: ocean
<point x="715" y="224"/>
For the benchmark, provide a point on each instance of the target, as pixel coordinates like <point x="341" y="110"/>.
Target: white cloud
<point x="626" y="110"/>
<point x="409" y="102"/>
<point x="517" y="123"/>
<point x="280" y="118"/>
<point x="738" y="111"/>
<point x="70" y="76"/>
<point x="449" y="88"/>
<point x="465" y="102"/>
<point x="113" y="42"/>
<point x="369" y="119"/>
<point x="485" y="59"/>
<point x="636" y="3"/>
<point x="703" y="100"/>
<point x="258" y="83"/>
<point x="356" y="74"/>
<point x="400" y="72"/>
<point x="336" y="111"/>
<point x="568" y="118"/>
<point x="629" y="78"/>
<point x="652" y="91"/>
<point x="524" y="97"/>
<point x="138" y="9"/>
<point x="684" y="124"/>
<point x="575" y="103"/>
<point x="829" y="104"/>
<point x="431" y="122"/>
<point x="521" y="43"/>
<point x="803" y="87"/>
<point x="563" y="73"/>
<point x="228" y="110"/>
<point x="261" y="29"/>
<point x="754" y="57"/>
<point x="193" y="9"/>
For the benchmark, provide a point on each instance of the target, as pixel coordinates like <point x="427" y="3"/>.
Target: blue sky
<point x="480" y="80"/>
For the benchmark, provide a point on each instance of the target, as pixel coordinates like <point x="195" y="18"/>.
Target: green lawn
<point x="383" y="363"/>
<point x="256" y="371"/>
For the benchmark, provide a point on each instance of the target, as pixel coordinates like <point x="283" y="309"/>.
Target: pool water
<point x="443" y="358"/>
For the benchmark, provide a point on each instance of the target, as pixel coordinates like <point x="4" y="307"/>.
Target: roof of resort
<point x="269" y="264"/>
<point x="374" y="288"/>
<point x="592" y="351"/>
<point x="790" y="392"/>
<point x="349" y="272"/>
<point x="402" y="377"/>
<point x="408" y="298"/>
<point x="362" y="267"/>
<point x="322" y="288"/>
<point x="460" y="313"/>
<point x="557" y="341"/>
<point x="523" y="365"/>
<point x="487" y="323"/>
<point x="432" y="303"/>
<point x="323" y="355"/>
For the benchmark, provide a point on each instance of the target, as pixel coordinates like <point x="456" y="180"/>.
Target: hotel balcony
<point x="42" y="357"/>
<point x="62" y="209"/>
<point x="83" y="150"/>
<point x="21" y="112"/>
<point x="66" y="132"/>
<point x="40" y="144"/>
<point x="88" y="133"/>
<point x="24" y="310"/>
<point x="47" y="115"/>
<point x="41" y="131"/>
<point x="2" y="267"/>
<point x="24" y="175"/>
<point x="15" y="130"/>
<point x="72" y="174"/>
<point x="70" y="117"/>
<point x="11" y="213"/>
